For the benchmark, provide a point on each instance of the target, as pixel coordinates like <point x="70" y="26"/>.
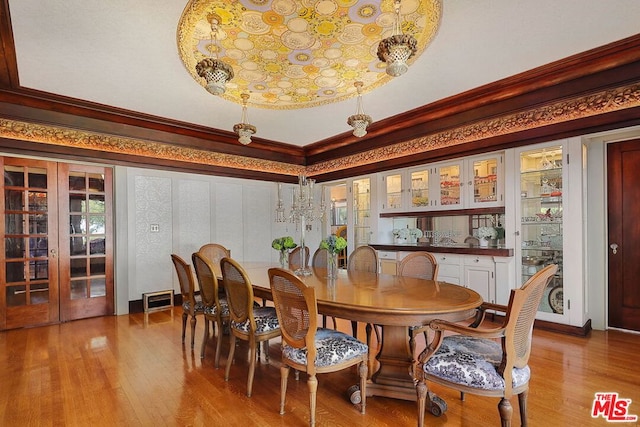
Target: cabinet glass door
<point x="485" y="181"/>
<point x="393" y="191"/>
<point x="450" y="185"/>
<point x="361" y="211"/>
<point x="541" y="222"/>
<point x="420" y="188"/>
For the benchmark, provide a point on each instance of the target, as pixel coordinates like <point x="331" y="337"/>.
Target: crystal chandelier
<point x="398" y="48"/>
<point x="303" y="209"/>
<point x="243" y="129"/>
<point x="359" y="121"/>
<point x="216" y="72"/>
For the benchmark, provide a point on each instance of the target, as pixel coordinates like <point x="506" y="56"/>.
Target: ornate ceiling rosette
<point x="296" y="54"/>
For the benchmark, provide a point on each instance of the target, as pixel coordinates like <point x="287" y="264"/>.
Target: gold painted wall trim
<point x="577" y="108"/>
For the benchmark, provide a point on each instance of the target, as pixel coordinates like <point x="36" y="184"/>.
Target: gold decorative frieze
<point x="65" y="137"/>
<point x="578" y="108"/>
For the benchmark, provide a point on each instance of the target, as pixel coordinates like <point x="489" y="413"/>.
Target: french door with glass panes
<point x="86" y="264"/>
<point x="48" y="234"/>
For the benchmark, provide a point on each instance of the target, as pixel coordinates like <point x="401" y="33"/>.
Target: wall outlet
<point x="155" y="228"/>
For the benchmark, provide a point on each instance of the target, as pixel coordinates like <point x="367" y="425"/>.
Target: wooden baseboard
<point x="579" y="331"/>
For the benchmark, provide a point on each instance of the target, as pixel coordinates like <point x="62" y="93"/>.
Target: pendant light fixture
<point x="396" y="49"/>
<point x="216" y="72"/>
<point x="243" y="129"/>
<point x="359" y="121"/>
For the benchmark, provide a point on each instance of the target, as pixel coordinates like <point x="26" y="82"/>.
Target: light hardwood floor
<point x="133" y="371"/>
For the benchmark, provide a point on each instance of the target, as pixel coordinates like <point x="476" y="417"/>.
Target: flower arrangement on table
<point x="283" y="245"/>
<point x="334" y="245"/>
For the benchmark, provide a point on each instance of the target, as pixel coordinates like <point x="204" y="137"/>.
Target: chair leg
<point x="363" y="370"/>
<point x="193" y="330"/>
<point x="522" y="403"/>
<point x="284" y="376"/>
<point x="506" y="411"/>
<point x="204" y="338"/>
<point x="184" y="325"/>
<point x="252" y="364"/>
<point x="266" y="350"/>
<point x="312" y="382"/>
<point x="220" y="326"/>
<point x="232" y="350"/>
<point x="354" y="328"/>
<point x="421" y="392"/>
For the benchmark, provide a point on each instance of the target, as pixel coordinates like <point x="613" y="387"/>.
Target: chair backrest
<point x="294" y="257"/>
<point x="237" y="286"/>
<point x="207" y="279"/>
<point x="521" y="313"/>
<point x="320" y="258"/>
<point x="363" y="258"/>
<point x="214" y="253"/>
<point x="419" y="264"/>
<point x="185" y="278"/>
<point x="297" y="311"/>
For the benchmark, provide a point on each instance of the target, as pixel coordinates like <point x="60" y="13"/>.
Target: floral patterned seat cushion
<point x="199" y="307"/>
<point x="472" y="362"/>
<point x="266" y="321"/>
<point x="224" y="307"/>
<point x="332" y="347"/>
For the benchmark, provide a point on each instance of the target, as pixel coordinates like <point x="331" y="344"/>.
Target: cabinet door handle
<point x="476" y="260"/>
<point x="614" y="248"/>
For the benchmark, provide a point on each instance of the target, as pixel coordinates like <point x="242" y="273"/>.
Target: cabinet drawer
<point x="387" y="255"/>
<point x="484" y="261"/>
<point x="444" y="259"/>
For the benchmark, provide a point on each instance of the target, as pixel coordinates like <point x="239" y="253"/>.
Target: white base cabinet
<point x="479" y="275"/>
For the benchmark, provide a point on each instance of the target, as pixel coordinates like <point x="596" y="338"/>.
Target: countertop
<point x="459" y="248"/>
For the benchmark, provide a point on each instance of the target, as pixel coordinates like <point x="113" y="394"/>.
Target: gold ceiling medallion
<point x="398" y="48"/>
<point x="243" y="129"/>
<point x="293" y="54"/>
<point x="359" y="121"/>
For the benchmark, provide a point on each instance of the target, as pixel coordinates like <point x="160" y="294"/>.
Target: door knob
<point x="614" y="248"/>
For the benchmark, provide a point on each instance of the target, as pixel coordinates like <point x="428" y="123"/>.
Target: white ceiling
<point x="123" y="53"/>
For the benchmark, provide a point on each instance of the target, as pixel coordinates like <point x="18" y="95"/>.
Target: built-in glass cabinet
<point x="361" y="190"/>
<point x="541" y="222"/>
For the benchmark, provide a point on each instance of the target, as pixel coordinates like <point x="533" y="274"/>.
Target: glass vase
<point x="284" y="259"/>
<point x="332" y="265"/>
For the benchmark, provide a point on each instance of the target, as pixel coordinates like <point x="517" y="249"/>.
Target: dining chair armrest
<point x="443" y="325"/>
<point x="482" y="311"/>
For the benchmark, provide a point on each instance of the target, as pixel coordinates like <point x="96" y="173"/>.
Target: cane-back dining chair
<point x="216" y="310"/>
<point x="191" y="303"/>
<point x="294" y="258"/>
<point x="214" y="252"/>
<point x="485" y="361"/>
<point x="363" y="258"/>
<point x="320" y="259"/>
<point x="307" y="348"/>
<point x="422" y="265"/>
<point x="247" y="322"/>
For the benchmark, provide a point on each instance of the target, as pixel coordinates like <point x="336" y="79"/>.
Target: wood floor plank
<point x="133" y="370"/>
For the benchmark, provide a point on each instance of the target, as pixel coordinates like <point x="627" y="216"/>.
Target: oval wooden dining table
<point x="394" y="302"/>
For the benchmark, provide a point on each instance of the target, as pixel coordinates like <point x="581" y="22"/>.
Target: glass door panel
<point x="485" y="177"/>
<point x="450" y="185"/>
<point x="393" y="191"/>
<point x="362" y="211"/>
<point x="86" y="275"/>
<point x="541" y="220"/>
<point x="419" y="188"/>
<point x="29" y="286"/>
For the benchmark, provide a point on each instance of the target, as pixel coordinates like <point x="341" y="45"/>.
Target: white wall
<point x="189" y="210"/>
